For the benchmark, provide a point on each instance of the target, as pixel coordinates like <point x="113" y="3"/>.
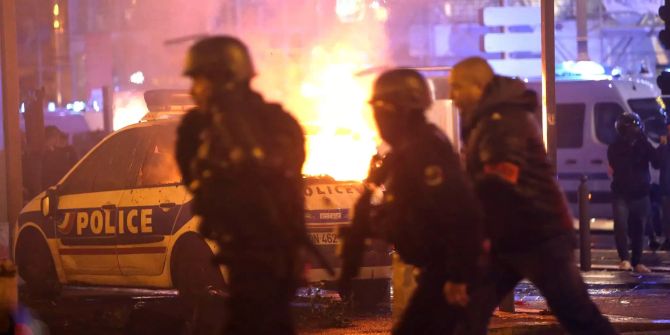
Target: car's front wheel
<point x="36" y="266"/>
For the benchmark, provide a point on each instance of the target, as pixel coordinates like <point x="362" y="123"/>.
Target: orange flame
<point x="330" y="101"/>
<point x="326" y="97"/>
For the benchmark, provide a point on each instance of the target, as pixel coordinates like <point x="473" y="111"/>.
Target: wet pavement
<point x="604" y="256"/>
<point x="82" y="310"/>
<point x="637" y="304"/>
<point x="638" y="310"/>
<point x="108" y="311"/>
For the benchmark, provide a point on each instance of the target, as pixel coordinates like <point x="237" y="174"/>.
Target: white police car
<point x="121" y="217"/>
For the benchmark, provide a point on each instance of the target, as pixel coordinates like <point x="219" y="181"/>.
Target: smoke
<point x="159" y="21"/>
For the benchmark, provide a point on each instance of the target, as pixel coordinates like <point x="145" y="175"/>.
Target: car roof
<point x="148" y="124"/>
<point x="573" y="90"/>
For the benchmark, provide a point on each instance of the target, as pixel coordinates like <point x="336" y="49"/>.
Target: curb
<point x="628" y="285"/>
<point x="556" y="329"/>
<point x="611" y="268"/>
<point x="622" y="285"/>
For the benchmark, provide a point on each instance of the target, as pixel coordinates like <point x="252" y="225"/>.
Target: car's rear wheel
<point x="36" y="266"/>
<point x="193" y="272"/>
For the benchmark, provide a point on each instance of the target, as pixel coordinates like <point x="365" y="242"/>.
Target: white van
<point x="585" y="115"/>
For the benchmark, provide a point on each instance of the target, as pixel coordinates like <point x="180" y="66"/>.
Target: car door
<point x="88" y="200"/>
<point x="151" y="206"/>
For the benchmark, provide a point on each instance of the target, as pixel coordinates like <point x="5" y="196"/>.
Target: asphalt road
<point x="86" y="310"/>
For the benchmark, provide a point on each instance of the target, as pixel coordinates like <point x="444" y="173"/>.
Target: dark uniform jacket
<point x="513" y="177"/>
<point x="188" y="140"/>
<point x="240" y="200"/>
<point x="431" y="210"/>
<point x="629" y="161"/>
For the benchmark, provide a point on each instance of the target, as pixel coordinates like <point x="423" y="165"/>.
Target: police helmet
<point x="628" y="124"/>
<point x="220" y="58"/>
<point x="403" y="88"/>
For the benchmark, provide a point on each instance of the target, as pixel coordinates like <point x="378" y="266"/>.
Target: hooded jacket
<point x="507" y="160"/>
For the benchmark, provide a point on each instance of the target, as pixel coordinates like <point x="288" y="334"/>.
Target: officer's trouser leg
<point x="639" y="216"/>
<point x="554" y="271"/>
<point x="620" y="212"/>
<point x="498" y="280"/>
<point x="259" y="303"/>
<point x="428" y="311"/>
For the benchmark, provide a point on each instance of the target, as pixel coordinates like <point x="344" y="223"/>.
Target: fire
<point x="331" y="104"/>
<point x="327" y="98"/>
<point x="129" y="108"/>
<point x="321" y="89"/>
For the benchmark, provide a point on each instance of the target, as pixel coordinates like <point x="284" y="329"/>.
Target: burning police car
<point x="121" y="217"/>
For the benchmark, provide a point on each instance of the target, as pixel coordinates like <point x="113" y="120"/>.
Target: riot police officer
<point x="428" y="212"/>
<point x="242" y="159"/>
<point x="629" y="158"/>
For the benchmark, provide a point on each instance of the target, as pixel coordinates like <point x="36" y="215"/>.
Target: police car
<point x="121" y="217"/>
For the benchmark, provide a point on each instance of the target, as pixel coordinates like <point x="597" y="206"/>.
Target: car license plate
<point x="323" y="238"/>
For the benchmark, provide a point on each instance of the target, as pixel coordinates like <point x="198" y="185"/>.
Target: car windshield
<point x="653" y="114"/>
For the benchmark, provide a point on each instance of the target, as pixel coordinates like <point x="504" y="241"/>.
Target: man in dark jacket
<point x="242" y="158"/>
<point x="526" y="216"/>
<point x="429" y="212"/>
<point x="629" y="158"/>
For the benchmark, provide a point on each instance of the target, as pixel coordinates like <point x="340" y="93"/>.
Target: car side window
<point x="570" y="125"/>
<point x="81" y="178"/>
<point x="111" y="166"/>
<point x="159" y="166"/>
<point x="605" y="114"/>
